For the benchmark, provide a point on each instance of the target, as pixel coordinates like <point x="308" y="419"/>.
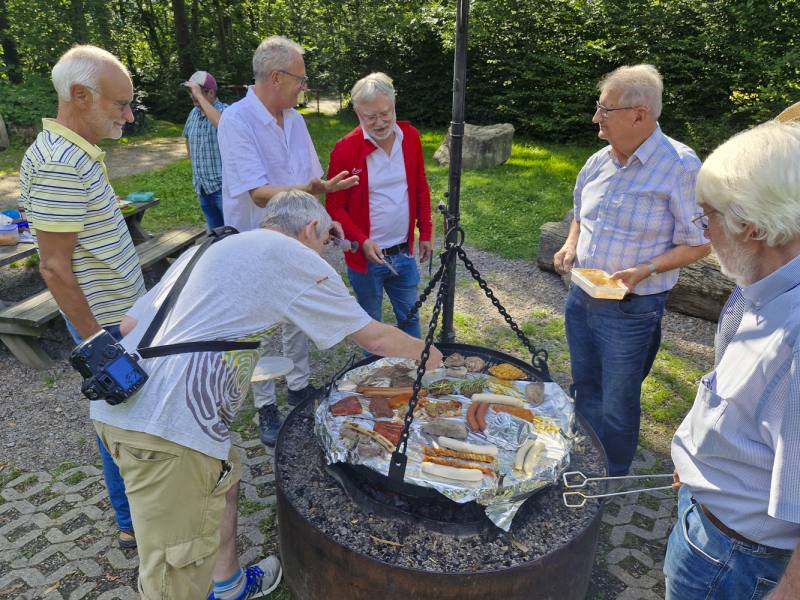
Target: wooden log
<point x="701" y="290"/>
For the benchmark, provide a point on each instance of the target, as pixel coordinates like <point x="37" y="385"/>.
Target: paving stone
<point x="39" y="553"/>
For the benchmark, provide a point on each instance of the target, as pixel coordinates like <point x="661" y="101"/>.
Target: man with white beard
<point x="736" y="451"/>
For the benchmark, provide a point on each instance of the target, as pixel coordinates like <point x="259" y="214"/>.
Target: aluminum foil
<point x="502" y="495"/>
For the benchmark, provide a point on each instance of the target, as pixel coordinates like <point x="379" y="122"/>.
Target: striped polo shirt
<point x="64" y="187"/>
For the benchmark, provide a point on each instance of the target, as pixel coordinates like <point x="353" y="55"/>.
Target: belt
<point x="398" y="249"/>
<point x="724" y="528"/>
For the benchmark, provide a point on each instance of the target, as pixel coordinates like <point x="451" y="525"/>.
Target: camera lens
<point x="110" y="351"/>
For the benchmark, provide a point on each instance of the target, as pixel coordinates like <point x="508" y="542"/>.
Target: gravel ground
<point x="45" y="419"/>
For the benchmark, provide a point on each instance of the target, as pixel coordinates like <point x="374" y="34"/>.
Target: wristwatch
<point x="652" y="266"/>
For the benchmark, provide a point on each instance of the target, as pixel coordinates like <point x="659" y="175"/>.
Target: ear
<point x="80" y="93"/>
<point x="274" y="77"/>
<point x="749" y="232"/>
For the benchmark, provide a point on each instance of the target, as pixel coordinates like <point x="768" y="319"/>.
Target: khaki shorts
<point x="177" y="498"/>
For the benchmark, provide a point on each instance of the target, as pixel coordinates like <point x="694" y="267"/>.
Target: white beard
<point x="736" y="262"/>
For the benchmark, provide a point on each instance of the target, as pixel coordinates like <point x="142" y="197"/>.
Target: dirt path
<point x="121" y="160"/>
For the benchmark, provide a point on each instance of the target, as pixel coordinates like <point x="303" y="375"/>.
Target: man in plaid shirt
<point x="200" y="132"/>
<point x="633" y="209"/>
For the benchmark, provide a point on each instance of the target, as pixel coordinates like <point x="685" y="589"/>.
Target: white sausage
<point x="498" y="399"/>
<point x="454" y="473"/>
<point x="459" y="446"/>
<point x="519" y="461"/>
<point x="533" y="455"/>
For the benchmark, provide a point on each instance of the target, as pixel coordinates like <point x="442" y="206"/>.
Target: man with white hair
<point x="633" y="209"/>
<point x="87" y="258"/>
<point x="266" y="149"/>
<point x="736" y="451"/>
<point x="391" y="200"/>
<point x="172" y="439"/>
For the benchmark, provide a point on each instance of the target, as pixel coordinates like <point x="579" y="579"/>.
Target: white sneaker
<point x="262" y="578"/>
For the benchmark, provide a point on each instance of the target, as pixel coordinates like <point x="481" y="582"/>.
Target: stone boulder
<point x="4" y="143"/>
<point x="483" y="146"/>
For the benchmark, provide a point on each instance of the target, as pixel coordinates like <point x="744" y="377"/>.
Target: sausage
<point x="388" y="392"/>
<point x="498" y="399"/>
<point x="472" y="419"/>
<point x="446" y="442"/>
<point x="521" y="413"/>
<point x="519" y="461"/>
<point x="480" y="415"/>
<point x="468" y="475"/>
<point x="532" y="456"/>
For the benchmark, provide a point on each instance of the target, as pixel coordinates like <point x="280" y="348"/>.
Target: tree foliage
<point x="726" y="63"/>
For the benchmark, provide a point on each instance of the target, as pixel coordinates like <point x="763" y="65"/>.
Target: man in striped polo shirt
<point x="87" y="256"/>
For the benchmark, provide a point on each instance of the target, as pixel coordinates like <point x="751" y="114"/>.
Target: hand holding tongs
<point x="580" y="480"/>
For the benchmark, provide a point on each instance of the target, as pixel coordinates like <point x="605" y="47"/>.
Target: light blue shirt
<point x="631" y="213"/>
<point x="738" y="447"/>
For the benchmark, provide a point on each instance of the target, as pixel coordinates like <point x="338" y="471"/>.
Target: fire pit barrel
<point x="334" y="547"/>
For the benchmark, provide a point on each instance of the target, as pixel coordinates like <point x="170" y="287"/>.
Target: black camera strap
<point x="145" y="350"/>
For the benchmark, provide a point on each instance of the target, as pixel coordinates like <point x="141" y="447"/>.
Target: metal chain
<point x="423" y="296"/>
<point x="397" y="466"/>
<point x="539" y="356"/>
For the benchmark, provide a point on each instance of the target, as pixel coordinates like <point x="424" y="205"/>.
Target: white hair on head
<point x="81" y="65"/>
<point x="754" y="178"/>
<point x="368" y="88"/>
<point x="275" y="53"/>
<point x="290" y="211"/>
<point x="639" y="85"/>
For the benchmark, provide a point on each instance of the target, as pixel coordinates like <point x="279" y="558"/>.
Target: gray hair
<point x="640" y="85"/>
<point x="82" y="65"/>
<point x="367" y="88"/>
<point x="274" y="54"/>
<point x="290" y="211"/>
<point x="754" y="178"/>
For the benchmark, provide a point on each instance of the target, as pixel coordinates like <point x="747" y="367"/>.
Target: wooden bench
<point x="23" y="323"/>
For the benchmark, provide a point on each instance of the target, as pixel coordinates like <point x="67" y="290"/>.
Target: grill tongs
<point x="576" y="479"/>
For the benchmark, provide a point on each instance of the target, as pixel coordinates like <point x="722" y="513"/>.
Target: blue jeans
<point x="612" y="345"/>
<point x="702" y="563"/>
<point x="401" y="289"/>
<point x="114" y="483"/>
<point x="211" y="205"/>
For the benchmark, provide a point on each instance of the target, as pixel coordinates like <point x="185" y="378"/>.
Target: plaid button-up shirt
<point x="203" y="146"/>
<point x="632" y="213"/>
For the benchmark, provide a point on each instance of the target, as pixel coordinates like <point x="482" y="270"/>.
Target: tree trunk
<point x="10" y="55"/>
<point x="102" y="14"/>
<point x="222" y="35"/>
<point x="77" y="21"/>
<point x="701" y="290"/>
<point x="182" y="39"/>
<point x="149" y="20"/>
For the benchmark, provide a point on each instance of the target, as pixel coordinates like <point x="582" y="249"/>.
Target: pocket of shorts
<point x="146" y="455"/>
<point x="194" y="551"/>
<point x="763" y="587"/>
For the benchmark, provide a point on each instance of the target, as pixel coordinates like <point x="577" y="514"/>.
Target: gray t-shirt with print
<point x="240" y="289"/>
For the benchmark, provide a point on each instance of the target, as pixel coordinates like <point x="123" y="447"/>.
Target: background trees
<point x="726" y="63"/>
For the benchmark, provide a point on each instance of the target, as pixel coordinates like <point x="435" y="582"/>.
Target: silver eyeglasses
<point x="301" y="79"/>
<point x="701" y="221"/>
<point x="604" y="110"/>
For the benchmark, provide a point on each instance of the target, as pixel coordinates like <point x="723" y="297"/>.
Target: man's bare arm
<point x="263" y="194"/>
<point x="55" y="252"/>
<point x="788" y="587"/>
<point x="385" y="340"/>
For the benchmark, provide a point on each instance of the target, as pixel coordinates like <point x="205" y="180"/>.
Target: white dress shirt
<point x="388" y="193"/>
<point x="256" y="151"/>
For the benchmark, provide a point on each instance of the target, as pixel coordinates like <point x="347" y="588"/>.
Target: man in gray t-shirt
<point x="172" y="439"/>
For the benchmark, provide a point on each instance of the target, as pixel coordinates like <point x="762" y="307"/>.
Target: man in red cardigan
<point x="391" y="199"/>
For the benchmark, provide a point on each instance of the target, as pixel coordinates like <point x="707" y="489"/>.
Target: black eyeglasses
<point x="302" y="79"/>
<point x="701" y="221"/>
<point x="604" y="111"/>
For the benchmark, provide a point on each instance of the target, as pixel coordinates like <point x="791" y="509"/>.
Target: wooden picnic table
<point x="133" y="219"/>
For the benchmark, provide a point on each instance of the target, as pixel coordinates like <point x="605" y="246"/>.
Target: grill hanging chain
<point x="397" y="466"/>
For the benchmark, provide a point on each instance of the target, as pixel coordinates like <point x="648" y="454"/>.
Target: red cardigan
<point x="351" y="207"/>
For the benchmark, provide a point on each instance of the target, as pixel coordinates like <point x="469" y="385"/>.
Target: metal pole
<point x="456" y="140"/>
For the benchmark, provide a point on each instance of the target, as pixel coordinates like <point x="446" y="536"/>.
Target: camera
<point x="109" y="372"/>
